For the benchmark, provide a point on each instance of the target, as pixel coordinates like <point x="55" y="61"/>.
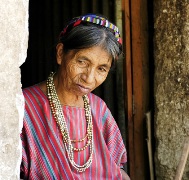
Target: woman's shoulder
<point x="94" y="99"/>
<point x="33" y="92"/>
<point x="97" y="104"/>
<point x="30" y="90"/>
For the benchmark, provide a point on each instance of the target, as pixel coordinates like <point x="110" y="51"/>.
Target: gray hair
<point x="87" y="35"/>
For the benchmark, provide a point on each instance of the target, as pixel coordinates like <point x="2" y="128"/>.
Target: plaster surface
<point x="13" y="48"/>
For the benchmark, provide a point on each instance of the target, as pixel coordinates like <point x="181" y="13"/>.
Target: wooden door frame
<point x="135" y="41"/>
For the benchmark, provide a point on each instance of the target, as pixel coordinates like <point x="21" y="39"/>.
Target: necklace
<point x="80" y="140"/>
<point x="59" y="117"/>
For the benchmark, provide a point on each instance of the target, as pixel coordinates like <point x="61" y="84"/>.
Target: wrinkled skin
<point x="80" y="72"/>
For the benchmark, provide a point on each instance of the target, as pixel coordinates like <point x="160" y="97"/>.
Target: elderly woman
<point x="69" y="133"/>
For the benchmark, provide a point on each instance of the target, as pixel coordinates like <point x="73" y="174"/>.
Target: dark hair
<point x="87" y="35"/>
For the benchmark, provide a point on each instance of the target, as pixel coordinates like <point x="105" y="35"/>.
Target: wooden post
<point x="135" y="31"/>
<point x="149" y="144"/>
<point x="128" y="83"/>
<point x="183" y="159"/>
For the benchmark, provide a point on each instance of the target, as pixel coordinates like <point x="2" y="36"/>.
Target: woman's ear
<point x="59" y="53"/>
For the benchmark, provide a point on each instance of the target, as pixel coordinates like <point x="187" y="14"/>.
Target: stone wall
<point x="13" y="48"/>
<point x="171" y="52"/>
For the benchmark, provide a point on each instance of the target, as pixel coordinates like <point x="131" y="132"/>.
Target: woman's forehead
<point x="92" y="54"/>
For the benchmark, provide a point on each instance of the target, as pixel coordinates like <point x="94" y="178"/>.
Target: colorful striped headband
<point x="92" y="18"/>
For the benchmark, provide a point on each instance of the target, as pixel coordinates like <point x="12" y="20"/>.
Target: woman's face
<point x="82" y="71"/>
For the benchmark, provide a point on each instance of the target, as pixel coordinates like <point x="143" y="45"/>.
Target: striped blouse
<point x="43" y="152"/>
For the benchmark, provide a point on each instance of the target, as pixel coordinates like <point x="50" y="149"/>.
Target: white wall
<point x="13" y="48"/>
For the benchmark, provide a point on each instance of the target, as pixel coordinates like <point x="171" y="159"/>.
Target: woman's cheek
<point x="74" y="69"/>
<point x="100" y="78"/>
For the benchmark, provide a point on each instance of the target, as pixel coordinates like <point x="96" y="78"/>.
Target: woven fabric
<point x="44" y="155"/>
<point x="92" y="18"/>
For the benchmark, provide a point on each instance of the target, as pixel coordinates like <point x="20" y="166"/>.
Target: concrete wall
<point x="13" y="48"/>
<point x="171" y="52"/>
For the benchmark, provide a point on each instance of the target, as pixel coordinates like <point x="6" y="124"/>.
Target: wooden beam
<point x="128" y="83"/>
<point x="139" y="26"/>
<point x="137" y="84"/>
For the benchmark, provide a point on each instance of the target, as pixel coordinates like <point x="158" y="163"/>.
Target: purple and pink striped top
<point x="43" y="152"/>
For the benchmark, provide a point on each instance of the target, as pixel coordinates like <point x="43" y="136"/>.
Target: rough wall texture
<point x="13" y="48"/>
<point x="171" y="47"/>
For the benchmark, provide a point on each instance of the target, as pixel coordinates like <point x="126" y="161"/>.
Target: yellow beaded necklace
<point x="59" y="117"/>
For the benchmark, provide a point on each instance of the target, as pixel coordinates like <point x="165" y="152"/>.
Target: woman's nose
<point x="88" y="76"/>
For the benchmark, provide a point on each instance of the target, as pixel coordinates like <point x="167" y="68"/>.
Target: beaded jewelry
<point x="59" y="117"/>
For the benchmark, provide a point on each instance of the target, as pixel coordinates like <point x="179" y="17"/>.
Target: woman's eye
<point x="102" y="69"/>
<point x="81" y="62"/>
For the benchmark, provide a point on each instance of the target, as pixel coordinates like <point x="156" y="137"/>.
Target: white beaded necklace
<point x="59" y="116"/>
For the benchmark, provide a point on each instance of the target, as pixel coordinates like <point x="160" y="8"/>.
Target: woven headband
<point x="92" y="18"/>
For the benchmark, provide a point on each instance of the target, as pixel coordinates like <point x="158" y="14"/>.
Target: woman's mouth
<point x="84" y="89"/>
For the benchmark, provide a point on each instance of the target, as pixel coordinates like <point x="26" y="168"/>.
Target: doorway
<point x="126" y="90"/>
